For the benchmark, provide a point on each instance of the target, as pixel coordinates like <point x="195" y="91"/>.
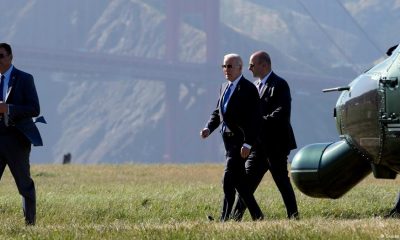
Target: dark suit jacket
<point x="242" y="114"/>
<point x="23" y="103"/>
<point x="276" y="130"/>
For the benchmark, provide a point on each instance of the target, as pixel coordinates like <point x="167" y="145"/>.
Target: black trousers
<point x="257" y="165"/>
<point x="234" y="180"/>
<point x="397" y="204"/>
<point x="14" y="152"/>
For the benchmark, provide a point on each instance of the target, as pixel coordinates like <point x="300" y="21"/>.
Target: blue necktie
<point x="2" y="88"/>
<point x="225" y="98"/>
<point x="225" y="103"/>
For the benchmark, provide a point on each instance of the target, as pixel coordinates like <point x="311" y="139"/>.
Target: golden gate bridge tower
<point x="176" y="10"/>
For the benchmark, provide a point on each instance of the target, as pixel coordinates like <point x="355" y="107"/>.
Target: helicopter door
<point x="390" y="115"/>
<point x="389" y="85"/>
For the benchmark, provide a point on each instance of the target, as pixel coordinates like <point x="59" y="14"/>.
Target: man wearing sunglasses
<point x="276" y="135"/>
<point x="237" y="112"/>
<point x="19" y="103"/>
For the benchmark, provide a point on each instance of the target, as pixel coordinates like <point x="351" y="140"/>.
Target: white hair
<point x="235" y="56"/>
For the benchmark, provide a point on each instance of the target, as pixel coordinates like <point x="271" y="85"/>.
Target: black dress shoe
<point x="29" y="223"/>
<point x="260" y="218"/>
<point x="210" y="218"/>
<point x="394" y="213"/>
<point x="237" y="216"/>
<point x="294" y="216"/>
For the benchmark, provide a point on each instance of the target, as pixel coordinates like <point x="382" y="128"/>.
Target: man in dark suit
<point x="237" y="110"/>
<point x="19" y="103"/>
<point x="276" y="135"/>
<point x="395" y="211"/>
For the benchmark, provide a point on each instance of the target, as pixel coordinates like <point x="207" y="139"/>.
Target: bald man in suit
<point x="276" y="135"/>
<point x="237" y="112"/>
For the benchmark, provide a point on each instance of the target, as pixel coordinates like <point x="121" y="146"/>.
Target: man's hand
<point x="205" y="133"/>
<point x="3" y="107"/>
<point x="244" y="152"/>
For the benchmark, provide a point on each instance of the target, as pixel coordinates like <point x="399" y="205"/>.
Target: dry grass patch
<point x="171" y="202"/>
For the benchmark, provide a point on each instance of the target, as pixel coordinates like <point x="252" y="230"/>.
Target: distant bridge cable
<point x="342" y="52"/>
<point x="373" y="43"/>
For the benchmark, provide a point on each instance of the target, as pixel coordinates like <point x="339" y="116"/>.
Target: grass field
<point x="172" y="201"/>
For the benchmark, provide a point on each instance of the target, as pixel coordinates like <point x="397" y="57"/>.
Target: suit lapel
<point x="11" y="83"/>
<point x="269" y="86"/>
<point x="231" y="99"/>
<point x="233" y="94"/>
<point x="10" y="87"/>
<point x="264" y="90"/>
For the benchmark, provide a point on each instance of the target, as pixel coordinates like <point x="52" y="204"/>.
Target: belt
<point x="228" y="134"/>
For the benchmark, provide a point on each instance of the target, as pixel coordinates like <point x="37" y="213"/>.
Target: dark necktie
<point x="260" y="85"/>
<point x="225" y="98"/>
<point x="2" y="88"/>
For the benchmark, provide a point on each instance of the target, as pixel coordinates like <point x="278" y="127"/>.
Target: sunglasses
<point x="228" y="66"/>
<point x="3" y="56"/>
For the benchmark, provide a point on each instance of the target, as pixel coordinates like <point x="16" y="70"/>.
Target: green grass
<point x="172" y="201"/>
